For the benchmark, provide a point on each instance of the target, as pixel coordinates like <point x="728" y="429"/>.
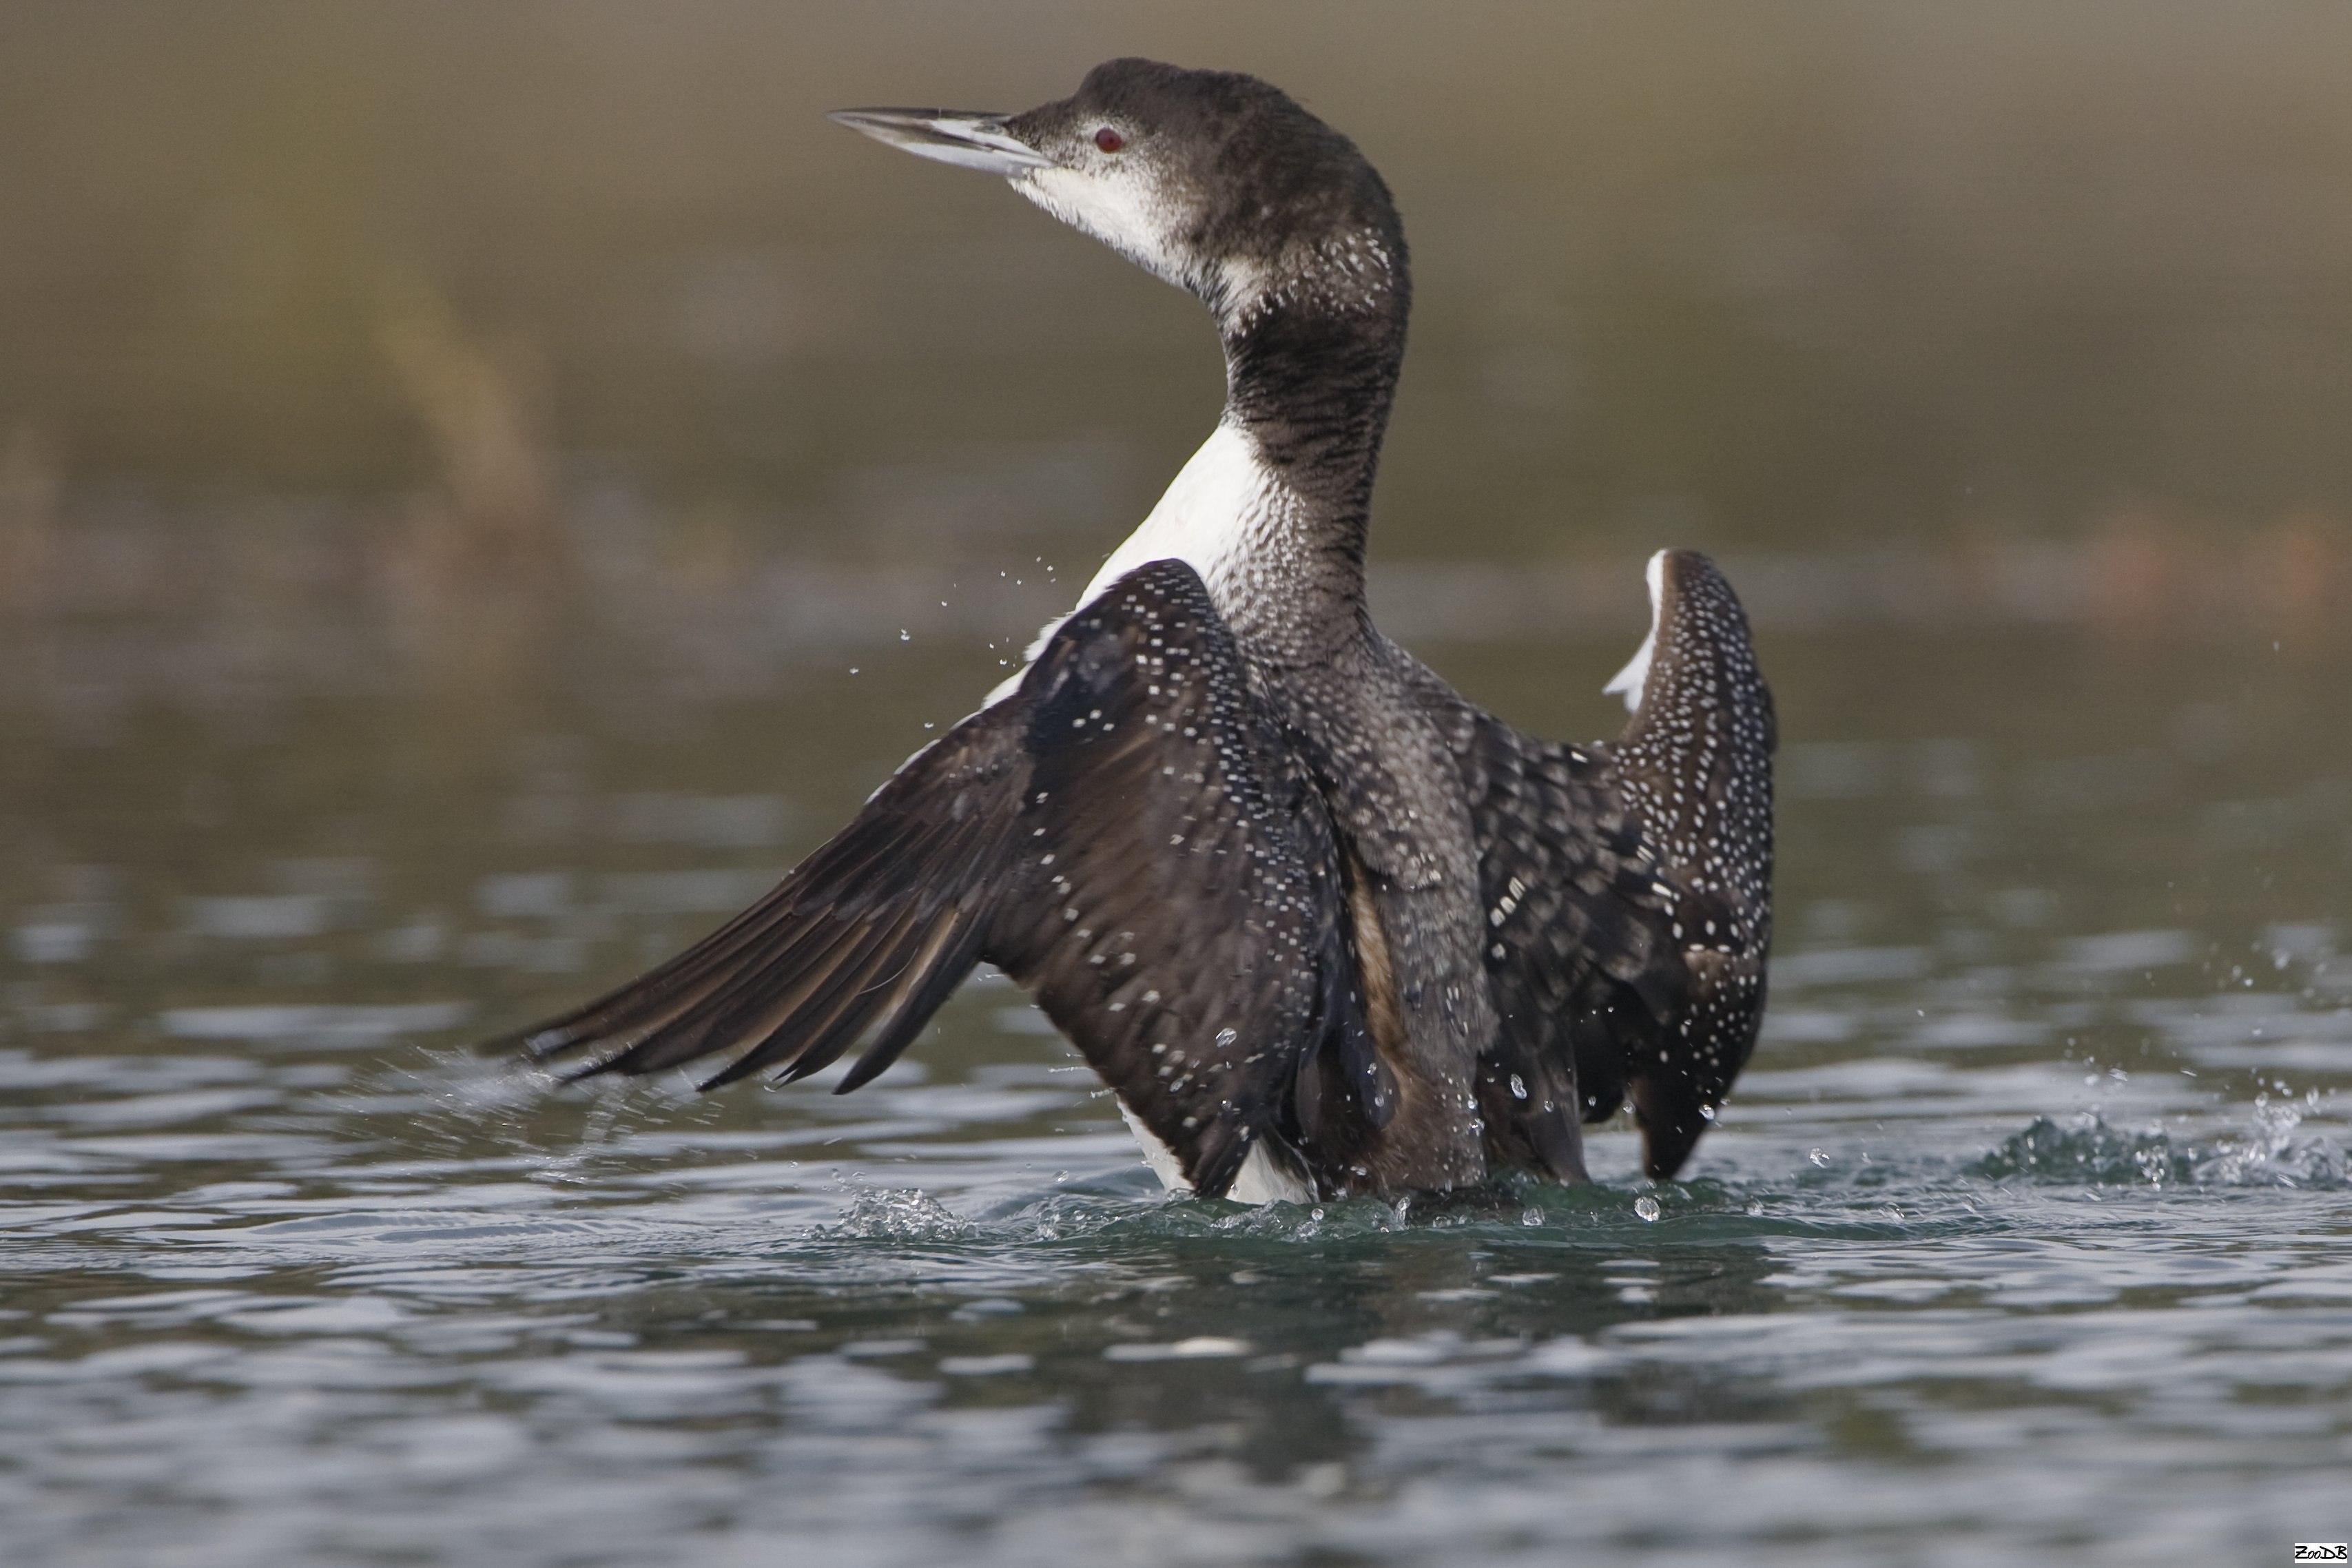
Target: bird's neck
<point x="1274" y="508"/>
<point x="1312" y="356"/>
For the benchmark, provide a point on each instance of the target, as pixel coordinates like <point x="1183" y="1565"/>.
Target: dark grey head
<point x="1214" y="181"/>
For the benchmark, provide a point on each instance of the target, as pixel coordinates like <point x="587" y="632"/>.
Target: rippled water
<point x="2027" y="1234"/>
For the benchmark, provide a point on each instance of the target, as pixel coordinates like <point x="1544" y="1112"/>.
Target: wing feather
<point x="1628" y="890"/>
<point x="1697" y="764"/>
<point x="1578" y="941"/>
<point x="1185" y="930"/>
<point x="888" y="910"/>
<point x="1130" y="835"/>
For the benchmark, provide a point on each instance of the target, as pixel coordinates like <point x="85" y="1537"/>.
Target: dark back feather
<point x="1696" y="763"/>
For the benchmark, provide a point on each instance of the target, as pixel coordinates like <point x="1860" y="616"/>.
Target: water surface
<point x="2026" y="1233"/>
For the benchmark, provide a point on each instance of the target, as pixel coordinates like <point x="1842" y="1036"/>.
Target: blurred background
<point x="1998" y="284"/>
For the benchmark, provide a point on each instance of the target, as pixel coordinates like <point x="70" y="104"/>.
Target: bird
<point x="1323" y="926"/>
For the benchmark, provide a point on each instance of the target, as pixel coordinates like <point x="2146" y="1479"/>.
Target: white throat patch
<point x="1124" y="213"/>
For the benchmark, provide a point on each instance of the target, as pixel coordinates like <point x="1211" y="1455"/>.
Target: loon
<point x="1323" y="926"/>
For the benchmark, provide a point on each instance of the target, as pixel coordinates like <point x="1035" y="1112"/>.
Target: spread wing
<point x="1184" y="924"/>
<point x="1128" y="834"/>
<point x="1577" y="943"/>
<point x="1627" y="889"/>
<point x="861" y="941"/>
<point x="1696" y="762"/>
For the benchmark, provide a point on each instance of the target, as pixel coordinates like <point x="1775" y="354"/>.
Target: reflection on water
<point x="2025" y="1232"/>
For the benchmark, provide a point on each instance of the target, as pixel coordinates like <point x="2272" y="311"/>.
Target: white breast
<point x="1218" y="501"/>
<point x="1206" y="517"/>
<point x="1260" y="1180"/>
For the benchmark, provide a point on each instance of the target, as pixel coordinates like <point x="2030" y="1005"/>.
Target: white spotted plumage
<point x="1300" y="904"/>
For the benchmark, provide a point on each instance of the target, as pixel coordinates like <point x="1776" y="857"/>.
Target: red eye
<point x="1109" y="141"/>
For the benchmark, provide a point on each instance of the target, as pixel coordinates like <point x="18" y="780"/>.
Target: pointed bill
<point x="969" y="141"/>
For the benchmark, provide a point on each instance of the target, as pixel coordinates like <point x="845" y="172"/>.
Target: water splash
<point x="2270" y="1153"/>
<point x="2088" y="1151"/>
<point x="895" y="1214"/>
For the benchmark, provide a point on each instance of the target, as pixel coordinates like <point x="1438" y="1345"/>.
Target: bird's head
<point x="1212" y="180"/>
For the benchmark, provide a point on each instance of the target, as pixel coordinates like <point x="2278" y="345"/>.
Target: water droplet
<point x="1227" y="1038"/>
<point x="1646" y="1207"/>
<point x="906" y="635"/>
<point x="1818" y="1158"/>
